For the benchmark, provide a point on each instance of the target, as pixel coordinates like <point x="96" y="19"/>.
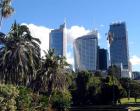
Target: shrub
<point x="24" y="99"/>
<point x="61" y="99"/>
<point x="8" y="94"/>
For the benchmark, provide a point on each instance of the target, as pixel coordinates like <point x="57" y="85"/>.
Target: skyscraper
<point x="58" y="40"/>
<point x="119" y="52"/>
<point x="103" y="59"/>
<point x="85" y="52"/>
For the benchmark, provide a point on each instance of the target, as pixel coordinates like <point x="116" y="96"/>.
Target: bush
<point x="61" y="99"/>
<point x="8" y="94"/>
<point x="24" y="99"/>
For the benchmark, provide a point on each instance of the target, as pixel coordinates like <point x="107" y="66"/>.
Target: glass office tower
<point x="103" y="59"/>
<point x="119" y="52"/>
<point x="58" y="40"/>
<point x="85" y="52"/>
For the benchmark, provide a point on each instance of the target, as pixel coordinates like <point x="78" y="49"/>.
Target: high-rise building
<point x="58" y="40"/>
<point x="85" y="52"/>
<point x="119" y="52"/>
<point x="103" y="59"/>
<point x="136" y="75"/>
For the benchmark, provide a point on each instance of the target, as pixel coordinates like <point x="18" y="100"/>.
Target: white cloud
<point x="99" y="35"/>
<point x="42" y="33"/>
<point x="135" y="60"/>
<point x="70" y="58"/>
<point x="75" y="32"/>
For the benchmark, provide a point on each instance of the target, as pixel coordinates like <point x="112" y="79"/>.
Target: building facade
<point x="103" y="59"/>
<point x="58" y="40"/>
<point x="85" y="52"/>
<point x="119" y="51"/>
<point x="136" y="75"/>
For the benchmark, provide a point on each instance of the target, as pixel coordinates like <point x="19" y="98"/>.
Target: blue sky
<point x="85" y="14"/>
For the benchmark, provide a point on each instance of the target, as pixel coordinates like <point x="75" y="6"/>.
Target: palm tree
<point x="19" y="55"/>
<point x="52" y="74"/>
<point x="5" y="9"/>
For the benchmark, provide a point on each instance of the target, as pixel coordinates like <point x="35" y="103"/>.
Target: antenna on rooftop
<point x="65" y="21"/>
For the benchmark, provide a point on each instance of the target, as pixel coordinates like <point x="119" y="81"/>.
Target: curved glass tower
<point x="85" y="52"/>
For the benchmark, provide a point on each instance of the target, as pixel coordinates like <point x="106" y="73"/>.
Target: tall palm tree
<point x="19" y="55"/>
<point x="52" y="75"/>
<point x="5" y="9"/>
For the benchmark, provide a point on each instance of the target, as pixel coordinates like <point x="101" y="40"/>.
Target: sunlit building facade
<point x="58" y="40"/>
<point x="85" y="52"/>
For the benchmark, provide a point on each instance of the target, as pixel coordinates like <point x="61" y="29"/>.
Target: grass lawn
<point x="131" y="100"/>
<point x="135" y="108"/>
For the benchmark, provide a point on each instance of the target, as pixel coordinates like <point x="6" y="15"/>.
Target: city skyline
<point x="82" y="17"/>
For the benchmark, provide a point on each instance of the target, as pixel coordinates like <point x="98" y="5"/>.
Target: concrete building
<point x="58" y="40"/>
<point x="85" y="52"/>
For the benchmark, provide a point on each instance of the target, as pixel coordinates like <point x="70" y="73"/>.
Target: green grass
<point x="131" y="100"/>
<point x="134" y="108"/>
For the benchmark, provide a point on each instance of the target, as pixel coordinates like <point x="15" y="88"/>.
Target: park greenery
<point x="29" y="82"/>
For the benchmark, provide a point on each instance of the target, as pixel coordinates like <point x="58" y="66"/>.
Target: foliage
<point x="61" y="99"/>
<point x="19" y="55"/>
<point x="8" y="94"/>
<point x="131" y="86"/>
<point x="5" y="9"/>
<point x="52" y="75"/>
<point x="114" y="71"/>
<point x="24" y="99"/>
<point x="131" y="100"/>
<point x="80" y="94"/>
<point x="112" y="90"/>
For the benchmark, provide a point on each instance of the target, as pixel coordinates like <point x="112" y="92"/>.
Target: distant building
<point x="119" y="52"/>
<point x="58" y="40"/>
<point x="136" y="75"/>
<point x="85" y="52"/>
<point x="103" y="59"/>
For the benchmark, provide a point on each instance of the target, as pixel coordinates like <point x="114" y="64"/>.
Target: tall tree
<point x="5" y="9"/>
<point x="19" y="55"/>
<point x="52" y="75"/>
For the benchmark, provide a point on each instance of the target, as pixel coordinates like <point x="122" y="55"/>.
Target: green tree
<point x="5" y="9"/>
<point x="132" y="87"/>
<point x="111" y="90"/>
<point x="52" y="76"/>
<point x="61" y="100"/>
<point x="19" y="55"/>
<point x="81" y="92"/>
<point x="114" y="71"/>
